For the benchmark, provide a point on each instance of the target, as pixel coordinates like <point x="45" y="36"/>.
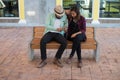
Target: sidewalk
<point x="14" y="64"/>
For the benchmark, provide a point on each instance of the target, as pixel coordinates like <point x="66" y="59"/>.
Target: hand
<point x="59" y="29"/>
<point x="73" y="35"/>
<point x="65" y="29"/>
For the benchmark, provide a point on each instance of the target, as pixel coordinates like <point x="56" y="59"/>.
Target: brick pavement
<point x="14" y="64"/>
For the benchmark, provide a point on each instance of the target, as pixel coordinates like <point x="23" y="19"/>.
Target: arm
<point x="65" y="24"/>
<point x="82" y="26"/>
<point x="49" y="22"/>
<point x="73" y="35"/>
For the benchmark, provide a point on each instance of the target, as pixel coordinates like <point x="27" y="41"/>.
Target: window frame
<point x="108" y="18"/>
<point x="89" y="18"/>
<point x="14" y="17"/>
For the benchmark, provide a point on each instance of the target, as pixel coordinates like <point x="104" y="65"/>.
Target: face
<point x="67" y="11"/>
<point x="73" y="14"/>
<point x="58" y="17"/>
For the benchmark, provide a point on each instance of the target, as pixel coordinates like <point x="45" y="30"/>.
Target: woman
<point x="76" y="34"/>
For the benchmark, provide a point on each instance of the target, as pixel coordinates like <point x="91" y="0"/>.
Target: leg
<point x="74" y="47"/>
<point x="79" y="51"/>
<point x="79" y="56"/>
<point x="96" y="53"/>
<point x="46" y="38"/>
<point x="31" y="53"/>
<point x="60" y="39"/>
<point x="78" y="39"/>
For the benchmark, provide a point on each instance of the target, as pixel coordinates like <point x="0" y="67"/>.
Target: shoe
<point x="42" y="64"/>
<point x="58" y="62"/>
<point x="79" y="64"/>
<point x="69" y="61"/>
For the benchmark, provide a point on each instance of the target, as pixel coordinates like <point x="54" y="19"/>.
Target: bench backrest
<point x="39" y="31"/>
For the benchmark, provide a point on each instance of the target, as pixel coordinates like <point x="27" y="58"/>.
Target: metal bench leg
<point x="96" y="53"/>
<point x="31" y="54"/>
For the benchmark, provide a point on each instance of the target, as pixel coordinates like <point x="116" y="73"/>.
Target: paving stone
<point x="14" y="64"/>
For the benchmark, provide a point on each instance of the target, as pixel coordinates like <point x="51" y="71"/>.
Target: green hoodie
<point x="50" y="23"/>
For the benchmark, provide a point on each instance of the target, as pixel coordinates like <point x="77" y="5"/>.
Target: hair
<point x="76" y="10"/>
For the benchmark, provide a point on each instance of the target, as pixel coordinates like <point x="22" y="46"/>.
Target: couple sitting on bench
<point x="56" y="25"/>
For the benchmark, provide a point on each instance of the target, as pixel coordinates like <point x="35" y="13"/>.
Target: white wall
<point x="37" y="10"/>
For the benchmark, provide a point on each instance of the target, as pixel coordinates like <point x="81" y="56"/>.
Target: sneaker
<point x="42" y="64"/>
<point x="69" y="60"/>
<point x="79" y="64"/>
<point x="58" y="62"/>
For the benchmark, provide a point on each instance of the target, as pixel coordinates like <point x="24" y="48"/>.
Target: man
<point x="54" y="31"/>
<point x="67" y="12"/>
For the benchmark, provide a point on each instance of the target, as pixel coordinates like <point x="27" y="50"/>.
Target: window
<point x="84" y="5"/>
<point x="9" y="8"/>
<point x="110" y="8"/>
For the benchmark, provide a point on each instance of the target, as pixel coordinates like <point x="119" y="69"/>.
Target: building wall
<point x="36" y="11"/>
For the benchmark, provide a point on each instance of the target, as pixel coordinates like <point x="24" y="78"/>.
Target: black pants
<point x="76" y="46"/>
<point x="50" y="36"/>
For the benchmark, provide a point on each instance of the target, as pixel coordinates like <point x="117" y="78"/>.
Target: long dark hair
<point x="76" y="10"/>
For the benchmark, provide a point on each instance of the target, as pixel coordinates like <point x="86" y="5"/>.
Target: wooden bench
<point x="91" y="43"/>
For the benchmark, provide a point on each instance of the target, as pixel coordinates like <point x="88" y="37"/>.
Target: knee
<point x="76" y="41"/>
<point x="42" y="42"/>
<point x="64" y="43"/>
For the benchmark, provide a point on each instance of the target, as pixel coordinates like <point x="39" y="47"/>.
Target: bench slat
<point x="39" y="35"/>
<point x="41" y="29"/>
<point x="83" y="46"/>
<point x="88" y="41"/>
<point x="38" y="32"/>
<point x="89" y="44"/>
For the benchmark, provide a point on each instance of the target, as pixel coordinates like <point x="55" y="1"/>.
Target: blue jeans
<point x="76" y="46"/>
<point x="51" y="36"/>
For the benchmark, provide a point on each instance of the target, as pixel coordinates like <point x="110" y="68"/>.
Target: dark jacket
<point x="81" y="25"/>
